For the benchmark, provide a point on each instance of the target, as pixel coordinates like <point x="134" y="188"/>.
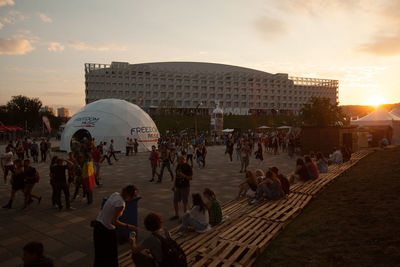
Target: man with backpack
<point x="164" y="250"/>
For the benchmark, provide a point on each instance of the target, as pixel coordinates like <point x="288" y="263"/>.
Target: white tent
<point x="284" y="127"/>
<point x="108" y="119"/>
<point x="227" y="131"/>
<point x="396" y="112"/>
<point x="379" y="117"/>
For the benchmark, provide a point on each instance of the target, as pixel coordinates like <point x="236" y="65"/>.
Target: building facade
<point x="63" y="112"/>
<point x="47" y="109"/>
<point x="187" y="87"/>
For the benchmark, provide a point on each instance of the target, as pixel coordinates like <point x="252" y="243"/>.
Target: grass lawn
<point x="355" y="221"/>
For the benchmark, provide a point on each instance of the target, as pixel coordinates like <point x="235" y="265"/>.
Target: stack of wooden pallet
<point x="241" y="238"/>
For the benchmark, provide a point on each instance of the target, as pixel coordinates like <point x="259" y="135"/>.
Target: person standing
<point x="43" y="150"/>
<point x="26" y="143"/>
<point x="135" y="146"/>
<point x="31" y="178"/>
<point x="204" y="153"/>
<point x="165" y="163"/>
<point x="20" y="151"/>
<point x="154" y="162"/>
<point x="96" y="156"/>
<point x="230" y="149"/>
<point x="17" y="182"/>
<point x="34" y="151"/>
<point x="127" y="146"/>
<point x="60" y="182"/>
<point x="106" y="154"/>
<point x="189" y="156"/>
<point x="48" y="143"/>
<point x="7" y="163"/>
<point x="181" y="189"/>
<point x="104" y="234"/>
<point x="245" y="156"/>
<point x="112" y="150"/>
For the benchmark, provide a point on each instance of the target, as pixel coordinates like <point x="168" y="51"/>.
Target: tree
<point x="23" y="111"/>
<point x="321" y="113"/>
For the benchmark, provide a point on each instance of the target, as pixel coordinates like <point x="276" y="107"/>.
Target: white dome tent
<point x="108" y="119"/>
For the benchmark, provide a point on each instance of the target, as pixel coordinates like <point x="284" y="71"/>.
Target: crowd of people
<point x="177" y="155"/>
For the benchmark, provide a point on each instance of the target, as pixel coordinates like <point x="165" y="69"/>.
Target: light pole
<point x="195" y="118"/>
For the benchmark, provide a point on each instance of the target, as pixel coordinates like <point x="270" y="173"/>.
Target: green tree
<point x="321" y="113"/>
<point x="23" y="111"/>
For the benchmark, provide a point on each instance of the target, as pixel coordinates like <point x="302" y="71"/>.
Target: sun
<point x="375" y="100"/>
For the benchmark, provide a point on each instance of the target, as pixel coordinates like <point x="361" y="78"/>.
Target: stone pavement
<point x="67" y="236"/>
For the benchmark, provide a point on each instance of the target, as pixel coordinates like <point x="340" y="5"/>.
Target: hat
<point x="274" y="170"/>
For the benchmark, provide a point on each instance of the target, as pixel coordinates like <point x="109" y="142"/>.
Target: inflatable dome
<point x="108" y="119"/>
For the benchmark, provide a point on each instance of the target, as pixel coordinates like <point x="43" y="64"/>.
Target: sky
<point x="45" y="43"/>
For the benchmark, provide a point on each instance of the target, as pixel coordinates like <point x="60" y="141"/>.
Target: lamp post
<point x="195" y="118"/>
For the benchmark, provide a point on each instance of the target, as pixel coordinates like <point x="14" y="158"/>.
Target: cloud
<point x="15" y="46"/>
<point x="268" y="27"/>
<point x="13" y="16"/>
<point x="55" y="47"/>
<point x="83" y="46"/>
<point x="7" y="3"/>
<point x="387" y="45"/>
<point x="45" y="18"/>
<point x="386" y="39"/>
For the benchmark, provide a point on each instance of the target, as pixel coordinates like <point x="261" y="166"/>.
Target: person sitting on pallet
<point x="197" y="217"/>
<point x="282" y="179"/>
<point x="322" y="163"/>
<point x="336" y="157"/>
<point x="158" y="243"/>
<point x="311" y="167"/>
<point x="301" y="172"/>
<point x="249" y="187"/>
<point x="270" y="188"/>
<point x="213" y="206"/>
<point x="259" y="175"/>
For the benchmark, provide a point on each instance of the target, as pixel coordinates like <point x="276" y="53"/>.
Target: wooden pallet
<point x="226" y="253"/>
<point x="125" y="259"/>
<point x="281" y="210"/>
<point x="252" y="232"/>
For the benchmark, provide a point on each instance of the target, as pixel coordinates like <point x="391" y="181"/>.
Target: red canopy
<point x="10" y="128"/>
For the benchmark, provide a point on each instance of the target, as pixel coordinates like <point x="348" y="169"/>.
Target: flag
<point x="47" y="123"/>
<point x="88" y="178"/>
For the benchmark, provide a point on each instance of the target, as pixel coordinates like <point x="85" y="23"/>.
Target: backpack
<point x="173" y="254"/>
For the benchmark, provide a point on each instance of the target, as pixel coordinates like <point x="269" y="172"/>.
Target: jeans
<point x="189" y="221"/>
<point x="165" y="164"/>
<point x="199" y="159"/>
<point x="57" y="194"/>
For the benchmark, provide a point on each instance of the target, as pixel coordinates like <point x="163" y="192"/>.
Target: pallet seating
<point x="241" y="238"/>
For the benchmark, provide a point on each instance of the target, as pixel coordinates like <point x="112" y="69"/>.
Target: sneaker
<point x="173" y="218"/>
<point x="152" y="180"/>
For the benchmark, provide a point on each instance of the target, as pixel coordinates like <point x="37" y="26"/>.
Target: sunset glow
<point x="375" y="100"/>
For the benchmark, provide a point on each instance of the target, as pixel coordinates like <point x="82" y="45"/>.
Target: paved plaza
<point x="67" y="236"/>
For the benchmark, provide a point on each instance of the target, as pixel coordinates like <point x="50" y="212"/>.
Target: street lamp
<point x="195" y="118"/>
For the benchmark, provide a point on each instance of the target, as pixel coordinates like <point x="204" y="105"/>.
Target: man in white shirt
<point x="7" y="163"/>
<point x="104" y="235"/>
<point x="336" y="157"/>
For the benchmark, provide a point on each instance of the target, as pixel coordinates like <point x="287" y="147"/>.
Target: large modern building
<point x="187" y="86"/>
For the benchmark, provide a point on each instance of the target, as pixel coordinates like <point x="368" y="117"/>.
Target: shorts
<point x="28" y="189"/>
<point x="17" y="186"/>
<point x="181" y="194"/>
<point x="7" y="169"/>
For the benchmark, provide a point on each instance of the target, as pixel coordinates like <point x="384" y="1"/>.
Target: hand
<point x="132" y="227"/>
